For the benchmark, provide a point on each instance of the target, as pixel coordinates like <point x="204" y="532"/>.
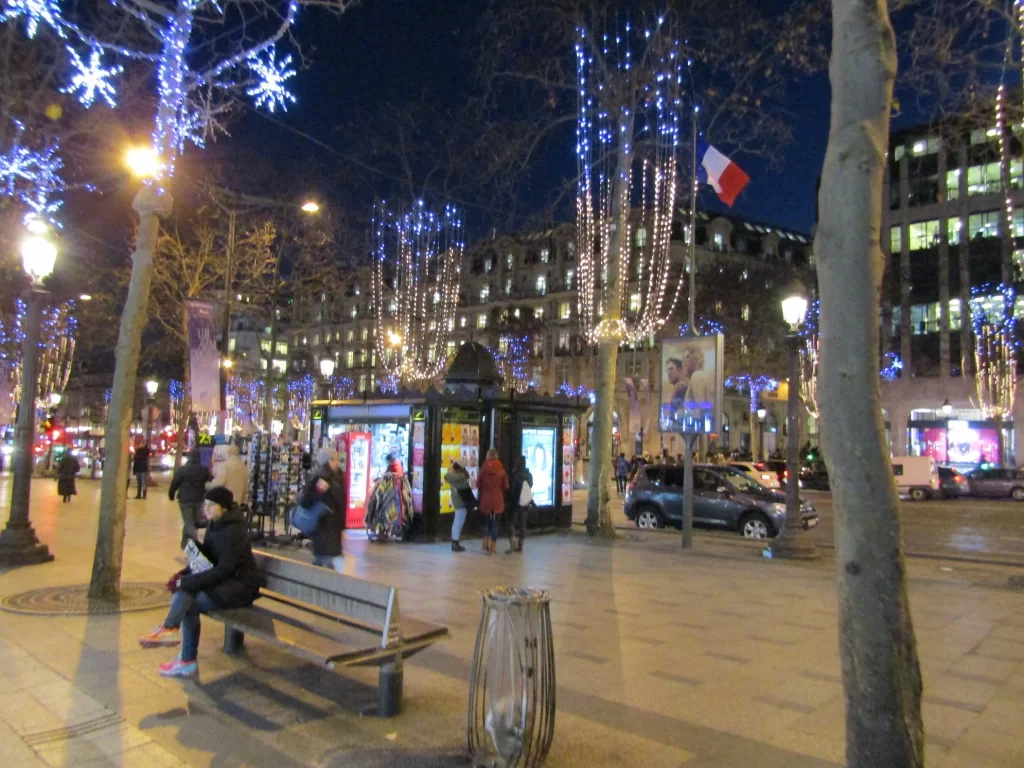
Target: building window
<point x="481" y="321"/>
<point x="316" y="339"/>
<point x="1018" y="222"/>
<point x="745" y="313"/>
<point x="718" y="307"/>
<point x="545" y="255"/>
<point x="984" y="224"/>
<point x="538" y="348"/>
<point x="564" y="340"/>
<point x="955" y="317"/>
<point x="744" y="275"/>
<point x="355" y="310"/>
<point x="570" y="276"/>
<point x="564" y="310"/>
<point x="263" y="364"/>
<point x="542" y="285"/>
<point x="437" y="297"/>
<point x="641" y="237"/>
<point x="719" y="241"/>
<point x="508" y="286"/>
<point x="953" y="227"/>
<point x="350" y="359"/>
<point x="634" y="302"/>
<point x="489" y="264"/>
<point x="264" y="346"/>
<point x="895" y="239"/>
<point x="923" y="234"/>
<point x="686" y="234"/>
<point x="365" y="335"/>
<point x="953" y="184"/>
<point x="509" y="261"/>
<point x="281" y="366"/>
<point x="983" y="179"/>
<point x="362" y="382"/>
<point x="538" y="313"/>
<point x="485" y="294"/>
<point x="927" y="146"/>
<point x="898" y="153"/>
<point x="392" y="308"/>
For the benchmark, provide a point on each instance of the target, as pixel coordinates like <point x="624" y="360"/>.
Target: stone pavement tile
<point x="1004" y="713"/>
<point x="970" y="693"/>
<point x="980" y="748"/>
<point x="116" y="739"/>
<point x="150" y="755"/>
<point x="25" y="714"/>
<point x="1003" y="650"/>
<point x="972" y="667"/>
<point x="829" y="749"/>
<point x="944" y="724"/>
<point x="13" y="749"/>
<point x="68" y="752"/>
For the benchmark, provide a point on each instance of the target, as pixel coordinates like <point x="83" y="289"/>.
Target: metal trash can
<point x="512" y="688"/>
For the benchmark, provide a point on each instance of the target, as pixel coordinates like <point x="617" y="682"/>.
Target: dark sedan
<point x="952" y="484"/>
<point x="722" y="498"/>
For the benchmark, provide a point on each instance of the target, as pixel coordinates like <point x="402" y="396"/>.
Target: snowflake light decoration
<point x="270" y="91"/>
<point x="92" y="78"/>
<point x="36" y="12"/>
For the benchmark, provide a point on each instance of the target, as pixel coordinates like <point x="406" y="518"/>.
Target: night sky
<point x="404" y="50"/>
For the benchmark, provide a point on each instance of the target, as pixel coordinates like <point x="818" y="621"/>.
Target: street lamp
<point x="791" y="543"/>
<point x="151" y="388"/>
<point x="327" y="370"/>
<point x="311" y="206"/>
<point x="143" y="162"/>
<point x="761" y="414"/>
<point x="18" y="542"/>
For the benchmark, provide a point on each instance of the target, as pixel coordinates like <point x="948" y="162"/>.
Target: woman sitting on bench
<point x="231" y="580"/>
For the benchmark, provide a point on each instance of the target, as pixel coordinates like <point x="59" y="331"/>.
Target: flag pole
<point x="691" y="251"/>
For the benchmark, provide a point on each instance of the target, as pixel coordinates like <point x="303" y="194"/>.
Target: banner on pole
<point x="204" y="358"/>
<point x="691" y="384"/>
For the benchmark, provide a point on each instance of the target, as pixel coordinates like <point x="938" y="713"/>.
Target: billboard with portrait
<point x="691" y="385"/>
<point x="539" y="450"/>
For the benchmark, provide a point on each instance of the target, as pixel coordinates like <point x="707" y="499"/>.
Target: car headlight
<point x="780" y="509"/>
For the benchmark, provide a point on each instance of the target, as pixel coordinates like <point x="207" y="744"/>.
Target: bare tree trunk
<point x="151" y="203"/>
<point x="881" y="676"/>
<point x="599" y="514"/>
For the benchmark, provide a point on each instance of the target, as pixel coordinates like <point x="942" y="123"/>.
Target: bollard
<point x="512" y="687"/>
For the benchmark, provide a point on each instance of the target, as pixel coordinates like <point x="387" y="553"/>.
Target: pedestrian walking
<point x="621" y="473"/>
<point x="231" y="473"/>
<point x="520" y="498"/>
<point x="232" y="581"/>
<point x="462" y="499"/>
<point x="493" y="485"/>
<point x="327" y="484"/>
<point x="189" y="485"/>
<point x="140" y="468"/>
<point x="67" y="470"/>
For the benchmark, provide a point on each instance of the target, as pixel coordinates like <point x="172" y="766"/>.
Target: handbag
<point x="307" y="519"/>
<point x="525" y="495"/>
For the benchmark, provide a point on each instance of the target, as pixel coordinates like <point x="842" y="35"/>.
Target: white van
<point x="916" y="476"/>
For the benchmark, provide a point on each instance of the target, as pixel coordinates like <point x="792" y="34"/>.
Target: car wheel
<point x="919" y="494"/>
<point x="1017" y="494"/>
<point x="649" y="518"/>
<point x="754" y="525"/>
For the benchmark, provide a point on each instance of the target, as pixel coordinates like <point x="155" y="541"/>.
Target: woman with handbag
<point x="327" y="485"/>
<point x="519" y="500"/>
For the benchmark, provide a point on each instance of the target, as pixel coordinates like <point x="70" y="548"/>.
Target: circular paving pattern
<point x="74" y="600"/>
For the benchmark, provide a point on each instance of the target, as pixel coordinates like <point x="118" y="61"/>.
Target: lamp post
<point x="18" y="542"/>
<point x="327" y="370"/>
<point x="761" y="415"/>
<point x="151" y="388"/>
<point x="792" y="543"/>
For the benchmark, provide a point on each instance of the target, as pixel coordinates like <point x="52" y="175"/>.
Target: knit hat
<point x="221" y="496"/>
<point x="325" y="455"/>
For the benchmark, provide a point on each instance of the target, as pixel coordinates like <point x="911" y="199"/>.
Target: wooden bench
<point x="325" y="617"/>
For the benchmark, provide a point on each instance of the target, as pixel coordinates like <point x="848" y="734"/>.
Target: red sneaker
<point x="160" y="637"/>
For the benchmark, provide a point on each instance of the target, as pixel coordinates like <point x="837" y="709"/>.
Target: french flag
<point x="720" y="172"/>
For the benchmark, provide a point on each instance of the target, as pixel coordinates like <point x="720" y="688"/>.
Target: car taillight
<point x="958" y="478"/>
<point x="785" y="473"/>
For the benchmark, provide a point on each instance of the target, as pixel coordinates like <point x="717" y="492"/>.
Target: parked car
<point x="722" y="498"/>
<point x="916" y="476"/>
<point x="952" y="484"/>
<point x="997" y="482"/>
<point x="765" y="477"/>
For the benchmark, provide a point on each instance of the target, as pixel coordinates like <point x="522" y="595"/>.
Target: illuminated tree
<point x="995" y="353"/>
<point x="809" y="355"/>
<point x="417" y="261"/>
<point x="203" y="54"/>
<point x="57" y="350"/>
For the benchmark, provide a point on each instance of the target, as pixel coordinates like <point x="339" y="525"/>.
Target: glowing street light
<point x="152" y="386"/>
<point x="228" y="363"/>
<point x="327" y="367"/>
<point x="143" y="162"/>
<point x="394" y="339"/>
<point x="54" y="399"/>
<point x="38" y="253"/>
<point x="794" y="308"/>
<point x="311" y="206"/>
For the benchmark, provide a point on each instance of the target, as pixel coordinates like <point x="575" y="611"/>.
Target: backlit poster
<point x="691" y="384"/>
<point x="539" y="450"/>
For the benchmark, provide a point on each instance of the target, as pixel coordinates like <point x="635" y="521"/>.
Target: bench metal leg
<point x="390" y="689"/>
<point x="234" y="640"/>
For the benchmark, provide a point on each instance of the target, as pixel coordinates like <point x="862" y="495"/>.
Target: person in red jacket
<point x="493" y="485"/>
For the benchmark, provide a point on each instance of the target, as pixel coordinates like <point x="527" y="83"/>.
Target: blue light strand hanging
<point x="32" y="176"/>
<point x="36" y="13"/>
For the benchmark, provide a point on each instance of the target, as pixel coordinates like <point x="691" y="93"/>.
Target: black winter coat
<point x="189" y="482"/>
<point x="519" y="477"/>
<point x="140" y="462"/>
<point x="234" y="581"/>
<point x="69" y="467"/>
<point x="327" y="537"/>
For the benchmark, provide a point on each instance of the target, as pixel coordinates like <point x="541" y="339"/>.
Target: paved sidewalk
<point x="707" y="659"/>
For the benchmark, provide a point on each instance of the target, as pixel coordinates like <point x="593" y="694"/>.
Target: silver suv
<point x="722" y="498"/>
